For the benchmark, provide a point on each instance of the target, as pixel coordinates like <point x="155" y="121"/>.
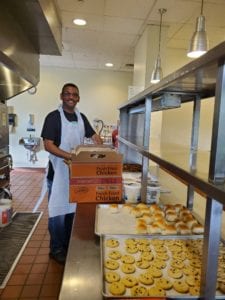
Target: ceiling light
<point x="109" y="65"/>
<point x="157" y="73"/>
<point x="79" y="22"/>
<point x="199" y="41"/>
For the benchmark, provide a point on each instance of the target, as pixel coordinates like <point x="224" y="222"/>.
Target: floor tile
<point x="36" y="276"/>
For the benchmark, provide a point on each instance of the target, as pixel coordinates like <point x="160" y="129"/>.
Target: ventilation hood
<point x="27" y="28"/>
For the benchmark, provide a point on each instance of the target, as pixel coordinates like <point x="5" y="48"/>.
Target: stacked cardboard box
<point x="96" y="175"/>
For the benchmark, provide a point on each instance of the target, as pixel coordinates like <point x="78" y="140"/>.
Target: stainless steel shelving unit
<point x="203" y="78"/>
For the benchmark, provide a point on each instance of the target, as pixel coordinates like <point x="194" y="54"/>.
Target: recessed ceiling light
<point x="109" y="65"/>
<point x="79" y="22"/>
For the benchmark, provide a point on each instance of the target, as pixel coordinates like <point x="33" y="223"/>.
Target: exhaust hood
<point x="27" y="28"/>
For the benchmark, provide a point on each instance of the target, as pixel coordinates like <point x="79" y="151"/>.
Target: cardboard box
<point x="96" y="175"/>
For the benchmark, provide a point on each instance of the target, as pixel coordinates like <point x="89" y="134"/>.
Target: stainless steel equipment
<point x="5" y="157"/>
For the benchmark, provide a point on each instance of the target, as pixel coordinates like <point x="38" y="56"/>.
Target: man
<point x="63" y="130"/>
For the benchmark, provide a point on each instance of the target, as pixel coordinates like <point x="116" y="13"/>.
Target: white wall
<point x="101" y="93"/>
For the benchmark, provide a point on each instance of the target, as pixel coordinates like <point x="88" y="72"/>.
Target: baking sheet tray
<point x="121" y="222"/>
<point x="170" y="294"/>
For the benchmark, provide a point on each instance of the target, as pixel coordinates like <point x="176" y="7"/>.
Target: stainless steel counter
<point x="82" y="275"/>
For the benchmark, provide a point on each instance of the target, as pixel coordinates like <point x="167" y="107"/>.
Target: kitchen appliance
<point x="5" y="157"/>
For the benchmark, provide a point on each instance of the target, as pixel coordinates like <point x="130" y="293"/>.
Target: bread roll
<point x="197" y="229"/>
<point x="171" y="216"/>
<point x="141" y="228"/>
<point x="178" y="223"/>
<point x="154" y="229"/>
<point x="183" y="229"/>
<point x="127" y="207"/>
<point x="169" y="229"/>
<point x="184" y="212"/>
<point x="178" y="207"/>
<point x="142" y="205"/>
<point x="158" y="216"/>
<point x="153" y="208"/>
<point x="160" y="223"/>
<point x="136" y="212"/>
<point x="191" y="223"/>
<point x="148" y="218"/>
<point x="114" y="208"/>
<point x="145" y="210"/>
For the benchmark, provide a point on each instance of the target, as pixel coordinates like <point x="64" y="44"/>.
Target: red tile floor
<point x="35" y="276"/>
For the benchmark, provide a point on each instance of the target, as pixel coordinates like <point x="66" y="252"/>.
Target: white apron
<point x="72" y="134"/>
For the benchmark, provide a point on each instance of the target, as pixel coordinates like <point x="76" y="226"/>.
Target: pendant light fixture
<point x="199" y="41"/>
<point x="157" y="73"/>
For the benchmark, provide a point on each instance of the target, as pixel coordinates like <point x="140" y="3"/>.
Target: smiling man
<point x="63" y="129"/>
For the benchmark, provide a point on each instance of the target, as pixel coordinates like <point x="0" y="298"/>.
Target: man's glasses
<point x="74" y="95"/>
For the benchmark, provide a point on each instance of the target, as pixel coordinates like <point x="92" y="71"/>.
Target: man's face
<point x="70" y="97"/>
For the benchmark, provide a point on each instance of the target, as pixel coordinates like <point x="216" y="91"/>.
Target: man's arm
<point x="53" y="149"/>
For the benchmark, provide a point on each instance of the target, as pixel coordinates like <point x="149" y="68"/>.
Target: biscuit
<point x="112" y="243"/>
<point x="142" y="263"/>
<point x="177" y="264"/>
<point x="160" y="249"/>
<point x="180" y="286"/>
<point x="131" y="241"/>
<point x="127" y="259"/>
<point x="174" y="273"/>
<point x="192" y="280"/>
<point x="144" y="242"/>
<point x="156" y="291"/>
<point x="155" y="272"/>
<point x="146" y="278"/>
<point x="129" y="281"/>
<point x="139" y="290"/>
<point x="158" y="263"/>
<point x="111" y="264"/>
<point x="157" y="242"/>
<point x="112" y="276"/>
<point x="143" y="247"/>
<point x="194" y="290"/>
<point x="147" y="255"/>
<point x="222" y="287"/>
<point x="195" y="262"/>
<point x="128" y="268"/>
<point x="117" y="288"/>
<point x="163" y="256"/>
<point x="163" y="283"/>
<point x="115" y="254"/>
<point x="131" y="248"/>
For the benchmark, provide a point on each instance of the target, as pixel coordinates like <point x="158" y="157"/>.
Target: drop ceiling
<point x="115" y="26"/>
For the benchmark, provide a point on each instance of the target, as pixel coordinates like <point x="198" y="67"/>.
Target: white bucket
<point x="153" y="193"/>
<point x="5" y="212"/>
<point x="132" y="192"/>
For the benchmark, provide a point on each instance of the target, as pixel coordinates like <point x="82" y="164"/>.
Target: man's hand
<point x="97" y="139"/>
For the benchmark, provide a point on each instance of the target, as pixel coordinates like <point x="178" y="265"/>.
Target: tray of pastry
<point x="152" y="219"/>
<point x="140" y="266"/>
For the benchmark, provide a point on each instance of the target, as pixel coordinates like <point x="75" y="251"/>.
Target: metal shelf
<point x="200" y="79"/>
